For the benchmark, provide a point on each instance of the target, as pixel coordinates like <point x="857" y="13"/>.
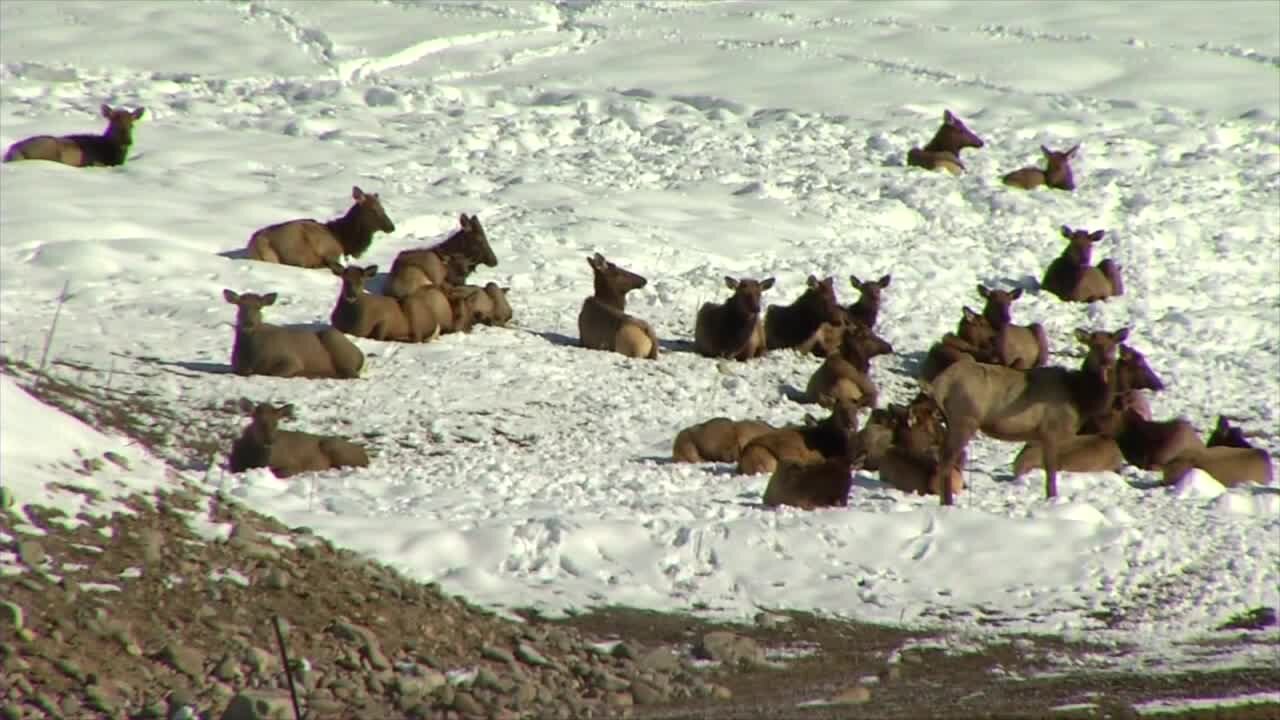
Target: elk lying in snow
<point x="733" y="329"/>
<point x="867" y="308"/>
<point x="811" y="443"/>
<point x="1056" y="174"/>
<point x="1072" y="278"/>
<point x="1045" y="405"/>
<point x="800" y="325"/>
<point x="1082" y="453"/>
<point x="1230" y="466"/>
<point x="974" y="339"/>
<point x="876" y="436"/>
<point x="488" y="304"/>
<point x="845" y="376"/>
<point x="1016" y="346"/>
<point x="286" y="452"/>
<point x="943" y="151"/>
<point x="415" y="268"/>
<point x="363" y="314"/>
<point x="262" y="349"/>
<point x="1133" y="375"/>
<point x="310" y="243"/>
<point x="110" y="148"/>
<point x="1227" y="435"/>
<point x="603" y="323"/>
<point x="810" y="486"/>
<point x="911" y="463"/>
<point x="719" y="439"/>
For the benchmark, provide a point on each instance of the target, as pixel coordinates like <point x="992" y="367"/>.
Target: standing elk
<point x="1072" y="277"/>
<point x="287" y="452"/>
<point x="262" y="349"/>
<point x="603" y="323"/>
<point x="733" y="329"/>
<point x="1045" y="405"/>
<point x="418" y="267"/>
<point x="109" y="149"/>
<point x="943" y="151"/>
<point x="1056" y="174"/>
<point x="309" y="243"/>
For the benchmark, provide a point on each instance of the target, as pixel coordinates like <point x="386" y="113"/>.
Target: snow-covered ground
<point x="685" y="141"/>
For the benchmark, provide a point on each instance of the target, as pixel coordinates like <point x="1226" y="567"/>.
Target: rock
<point x="659" y="659"/>
<point x="31" y="553"/>
<point x="852" y="696"/>
<point x="530" y="655"/>
<point x="496" y="653"/>
<point x="11" y="615"/>
<point x="227" y="670"/>
<point x="71" y="669"/>
<point x="260" y="662"/>
<point x="771" y="621"/>
<point x="623" y="651"/>
<point x="465" y="702"/>
<point x="259" y="705"/>
<point x="489" y="680"/>
<point x="619" y="699"/>
<point x="116" y="458"/>
<point x="647" y="694"/>
<point x="613" y="683"/>
<point x="720" y="692"/>
<point x="729" y="648"/>
<point x="185" y="660"/>
<point x="419" y="684"/>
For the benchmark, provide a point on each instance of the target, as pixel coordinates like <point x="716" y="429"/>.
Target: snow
<point x="685" y="141"/>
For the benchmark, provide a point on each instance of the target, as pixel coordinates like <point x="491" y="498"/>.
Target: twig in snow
<point x="288" y="669"/>
<point x="63" y="297"/>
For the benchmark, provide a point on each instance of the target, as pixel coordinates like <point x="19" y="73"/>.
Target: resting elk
<point x="286" y="452"/>
<point x="262" y="349"/>
<point x="1073" y="278"/>
<point x="1056" y="173"/>
<point x="108" y="149"/>
<point x="603" y="323"/>
<point x="310" y="243"/>
<point x="733" y="329"/>
<point x="415" y="268"/>
<point x="801" y="324"/>
<point x="943" y="151"/>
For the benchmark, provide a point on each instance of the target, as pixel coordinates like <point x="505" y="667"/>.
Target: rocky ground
<point x="141" y="616"/>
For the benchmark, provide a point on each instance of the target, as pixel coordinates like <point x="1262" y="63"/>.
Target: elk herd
<point x="991" y="376"/>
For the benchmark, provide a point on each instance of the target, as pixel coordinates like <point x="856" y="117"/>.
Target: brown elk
<point x="943" y="151"/>
<point x="287" y="452"/>
<point x="1017" y="346"/>
<point x="810" y="486"/>
<point x="309" y="243"/>
<point x="876" y="436"/>
<point x="108" y="149"/>
<point x="1071" y="276"/>
<point x="719" y="439"/>
<point x="1230" y="466"/>
<point x="1082" y="453"/>
<point x="262" y="349"/>
<point x="488" y="304"/>
<point x="1133" y="374"/>
<point x="1227" y="435"/>
<point x="1045" y="405"/>
<point x="363" y="314"/>
<point x="1056" y="174"/>
<point x="806" y="444"/>
<point x="603" y="323"/>
<point x="911" y="463"/>
<point x="733" y="329"/>
<point x="846" y="375"/>
<point x="974" y="339"/>
<point x="417" y="267"/>
<point x="800" y="324"/>
<point x="867" y="308"/>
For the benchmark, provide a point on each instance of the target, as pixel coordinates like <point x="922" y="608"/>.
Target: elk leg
<point x="1050" y="446"/>
<point x="961" y="427"/>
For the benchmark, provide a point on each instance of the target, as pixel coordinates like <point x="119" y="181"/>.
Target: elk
<point x="1016" y="346"/>
<point x="943" y="151"/>
<point x="733" y="329"/>
<point x="1227" y="435"/>
<point x="867" y="308"/>
<point x="800" y="325"/>
<point x="415" y="268"/>
<point x="603" y="323"/>
<point x="1230" y="466"/>
<point x="811" y="443"/>
<point x="1133" y="375"/>
<point x="262" y="349"/>
<point x="309" y="243"/>
<point x="363" y="314"/>
<point x="287" y="452"/>
<point x="846" y="375"/>
<point x="974" y="339"/>
<point x="911" y="463"/>
<point x="876" y="436"/>
<point x="719" y="439"/>
<point x="1056" y="174"/>
<point x="811" y="486"/>
<point x="488" y="304"/>
<point x="1071" y="276"/>
<point x="1045" y="405"/>
<point x="1082" y="453"/>
<point x="109" y="149"/>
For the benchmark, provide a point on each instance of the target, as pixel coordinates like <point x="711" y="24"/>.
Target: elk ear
<point x="1047" y="152"/>
<point x="1072" y="151"/>
<point x="269" y="299"/>
<point x="463" y="221"/>
<point x="1120" y="335"/>
<point x="813" y="281"/>
<point x="1083" y="335"/>
<point x="766" y="283"/>
<point x="106" y="110"/>
<point x="1066" y="232"/>
<point x="884" y="282"/>
<point x="969" y="314"/>
<point x="983" y="291"/>
<point x="948" y="118"/>
<point x="231" y="296"/>
<point x="333" y="266"/>
<point x="356" y="193"/>
<point x="137" y="114"/>
<point x="286" y="411"/>
<point x="855" y="282"/>
<point x="370" y="271"/>
<point x="730" y="283"/>
<point x="1097" y="236"/>
<point x="246" y="405"/>
<point x="1015" y="294"/>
